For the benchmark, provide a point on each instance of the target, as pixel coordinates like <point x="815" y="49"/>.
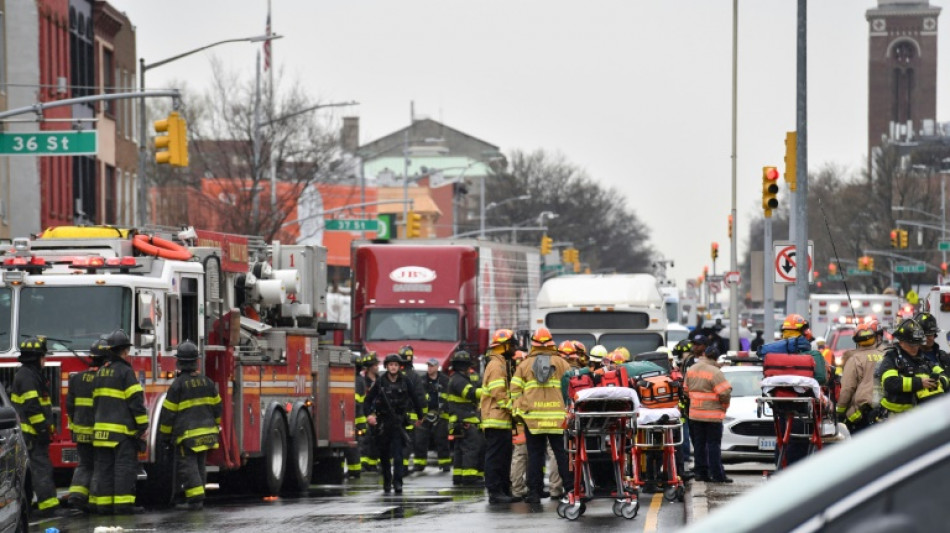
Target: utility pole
<point x="733" y="240"/>
<point x="801" y="165"/>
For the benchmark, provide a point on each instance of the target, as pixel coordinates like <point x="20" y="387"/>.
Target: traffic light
<point x="902" y="237"/>
<point x="894" y="238"/>
<point x="546" y="243"/>
<point x="730" y="227"/>
<point x="414" y="225"/>
<point x="714" y="251"/>
<point x="943" y="269"/>
<point x="705" y="272"/>
<point x="577" y="268"/>
<point x="769" y="190"/>
<point x="791" y="153"/>
<point x="832" y="269"/>
<point x="866" y="263"/>
<point x="566" y="256"/>
<point x="171" y="146"/>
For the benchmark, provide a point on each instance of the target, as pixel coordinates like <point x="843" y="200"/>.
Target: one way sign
<point x="786" y="262"/>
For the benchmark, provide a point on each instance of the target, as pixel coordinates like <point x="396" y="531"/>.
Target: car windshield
<point x="634" y="342"/>
<point x="844" y="341"/>
<point x="412" y="324"/>
<point x="75" y="316"/>
<point x="745" y="382"/>
<point x="6" y="301"/>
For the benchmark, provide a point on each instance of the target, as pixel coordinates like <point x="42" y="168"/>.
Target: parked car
<point x="746" y="436"/>
<point x="15" y="489"/>
<point x="891" y="477"/>
<point x="840" y="340"/>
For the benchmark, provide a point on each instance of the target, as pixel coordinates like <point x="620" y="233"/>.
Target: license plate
<point x="766" y="443"/>
<point x="767" y="409"/>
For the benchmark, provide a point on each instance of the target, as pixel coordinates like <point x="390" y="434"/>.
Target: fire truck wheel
<point x="300" y="459"/>
<point x="272" y="465"/>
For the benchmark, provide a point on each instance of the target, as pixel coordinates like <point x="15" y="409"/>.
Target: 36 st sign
<point x="50" y="143"/>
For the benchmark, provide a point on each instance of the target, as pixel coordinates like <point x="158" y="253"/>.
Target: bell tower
<point x="902" y="69"/>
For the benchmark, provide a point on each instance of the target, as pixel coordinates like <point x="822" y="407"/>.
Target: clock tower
<point x="902" y="68"/>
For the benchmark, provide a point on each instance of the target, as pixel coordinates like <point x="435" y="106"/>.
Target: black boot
<point x="501" y="498"/>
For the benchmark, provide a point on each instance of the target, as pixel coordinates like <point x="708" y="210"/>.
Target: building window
<point x="110" y="196"/>
<point x="3" y="52"/>
<point x="84" y="190"/>
<point x="108" y="79"/>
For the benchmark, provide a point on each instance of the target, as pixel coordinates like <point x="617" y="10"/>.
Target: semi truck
<point x="609" y="309"/>
<point x="257" y="311"/>
<point x="439" y="296"/>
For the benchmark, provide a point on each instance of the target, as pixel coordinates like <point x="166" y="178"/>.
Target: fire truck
<point x="257" y="311"/>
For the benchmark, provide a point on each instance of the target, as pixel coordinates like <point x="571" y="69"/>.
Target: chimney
<point x="350" y="134"/>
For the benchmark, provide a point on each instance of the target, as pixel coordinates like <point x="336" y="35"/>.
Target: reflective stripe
<point x="124" y="499"/>
<point x="22" y="398"/>
<point x="419" y="462"/>
<point x="354" y="467"/>
<point x="855" y="416"/>
<point x="79" y="489"/>
<point x="445" y="461"/>
<point x="188" y="404"/>
<point x="197" y="432"/>
<point x="87" y="430"/>
<point x="83" y="402"/>
<point x="36" y="419"/>
<point x="111" y="393"/>
<point x="466" y="472"/>
<point x="359" y="420"/>
<point x="27" y="428"/>
<point x="141" y="419"/>
<point x="194" y="491"/>
<point x="360" y="398"/>
<point x="48" y="503"/>
<point x="498" y="383"/>
<point x="115" y="428"/>
<point x="100" y="500"/>
<point x="908" y="385"/>
<point x="165" y="429"/>
<point x="722" y="386"/>
<point x="551" y="384"/>
<point x="895" y="407"/>
<point x="706" y="414"/>
<point x="695" y="395"/>
<point x="495" y="423"/>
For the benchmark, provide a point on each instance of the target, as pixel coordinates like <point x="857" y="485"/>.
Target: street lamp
<point x="493" y="205"/>
<point x="142" y="189"/>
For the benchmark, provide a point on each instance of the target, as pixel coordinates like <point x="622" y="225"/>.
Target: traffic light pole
<point x="801" y="163"/>
<point x="733" y="239"/>
<point x="768" y="284"/>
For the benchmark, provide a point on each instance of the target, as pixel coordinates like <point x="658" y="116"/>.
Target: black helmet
<point x="369" y="359"/>
<point x="712" y="351"/>
<point x="461" y="357"/>
<point x="393" y="358"/>
<point x="187" y="351"/>
<point x="909" y="331"/>
<point x="33" y="348"/>
<point x="100" y="348"/>
<point x="406" y="353"/>
<point x="928" y="322"/>
<point x="118" y="340"/>
<point x="682" y="347"/>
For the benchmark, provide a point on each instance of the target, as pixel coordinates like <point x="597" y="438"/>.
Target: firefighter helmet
<point x="369" y="359"/>
<point x="501" y="336"/>
<point x="393" y="358"/>
<point x="461" y="357"/>
<point x="566" y="349"/>
<point x="928" y="322"/>
<point x="33" y="348"/>
<point x="598" y="353"/>
<point x="542" y="337"/>
<point x="520" y="355"/>
<point x="909" y="331"/>
<point x="864" y="333"/>
<point x="795" y="322"/>
<point x="873" y="323"/>
<point x="100" y="348"/>
<point x="406" y="353"/>
<point x="682" y="347"/>
<point x="581" y="352"/>
<point x="616" y="357"/>
<point x="625" y="353"/>
<point x="820" y="341"/>
<point x="118" y="340"/>
<point x="187" y="351"/>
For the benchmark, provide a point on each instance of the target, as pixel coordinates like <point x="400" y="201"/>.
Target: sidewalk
<point x="702" y="498"/>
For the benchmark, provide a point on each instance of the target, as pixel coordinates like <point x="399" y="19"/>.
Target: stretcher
<point x="601" y="427"/>
<point x="796" y="406"/>
<point x="659" y="432"/>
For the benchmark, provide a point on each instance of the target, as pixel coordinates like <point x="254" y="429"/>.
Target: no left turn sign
<point x="786" y="261"/>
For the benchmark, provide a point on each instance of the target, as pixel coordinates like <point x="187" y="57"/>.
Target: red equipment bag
<point x="788" y="364"/>
<point x="578" y="383"/>
<point x="657" y="392"/>
<point x="613" y="378"/>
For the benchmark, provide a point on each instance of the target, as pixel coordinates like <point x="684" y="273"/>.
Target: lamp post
<point x="141" y="186"/>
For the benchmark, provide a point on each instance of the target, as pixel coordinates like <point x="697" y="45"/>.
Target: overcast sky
<point x="636" y="92"/>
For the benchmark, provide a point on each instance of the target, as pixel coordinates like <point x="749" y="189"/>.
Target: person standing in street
<point x="462" y="401"/>
<point x="433" y="432"/>
<point x="190" y="422"/>
<point x="369" y="453"/>
<point x="387" y="412"/>
<point x="30" y="395"/>
<point x="351" y="456"/>
<point x="856" y="403"/>
<point x="407" y="354"/>
<point x="118" y="401"/>
<point x="709" y="397"/>
<point x="519" y="454"/>
<point x="81" y="420"/>
<point x="538" y="401"/>
<point x="496" y="417"/>
<point x="907" y="377"/>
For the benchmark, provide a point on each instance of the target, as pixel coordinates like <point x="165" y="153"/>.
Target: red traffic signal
<point x="771" y="173"/>
<point x="832" y="269"/>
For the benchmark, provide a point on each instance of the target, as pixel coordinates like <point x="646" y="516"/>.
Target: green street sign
<point x="858" y="272"/>
<point x="834" y="277"/>
<point x="943" y="246"/>
<point x="910" y="268"/>
<point x="352" y="225"/>
<point x="51" y="143"/>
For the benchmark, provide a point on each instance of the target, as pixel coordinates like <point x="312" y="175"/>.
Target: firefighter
<point x="496" y="417"/>
<point x="856" y="403"/>
<point x="81" y="418"/>
<point x="906" y="376"/>
<point x="537" y="400"/>
<point x="190" y="422"/>
<point x="461" y="401"/>
<point x="407" y="353"/>
<point x="351" y="456"/>
<point x="369" y="453"/>
<point x="596" y="357"/>
<point x="387" y="411"/>
<point x="822" y="345"/>
<point x="931" y="350"/>
<point x="519" y="455"/>
<point x="569" y="352"/>
<point x="434" y="429"/>
<point x="709" y="397"/>
<point x="119" y="430"/>
<point x="31" y="400"/>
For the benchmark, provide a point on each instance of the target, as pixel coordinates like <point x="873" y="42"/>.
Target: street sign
<point x="858" y="272"/>
<point x="786" y="262"/>
<point x="733" y="278"/>
<point x="834" y="277"/>
<point x="49" y="143"/>
<point x="352" y="225"/>
<point x="714" y="287"/>
<point x="714" y="279"/>
<point x="943" y="246"/>
<point x="910" y="268"/>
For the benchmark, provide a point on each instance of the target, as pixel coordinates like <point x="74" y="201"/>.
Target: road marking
<point x="653" y="515"/>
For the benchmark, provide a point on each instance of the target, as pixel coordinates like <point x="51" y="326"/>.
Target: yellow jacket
<point x="495" y="403"/>
<point x="540" y="405"/>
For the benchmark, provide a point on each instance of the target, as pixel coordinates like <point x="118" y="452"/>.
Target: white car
<point x="745" y="435"/>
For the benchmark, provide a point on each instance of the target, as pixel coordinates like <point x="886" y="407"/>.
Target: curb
<point x="695" y="502"/>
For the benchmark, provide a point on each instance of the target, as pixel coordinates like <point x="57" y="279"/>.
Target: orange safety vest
<point x="709" y="392"/>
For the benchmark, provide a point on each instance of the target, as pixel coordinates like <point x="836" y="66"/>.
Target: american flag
<point x="267" y="43"/>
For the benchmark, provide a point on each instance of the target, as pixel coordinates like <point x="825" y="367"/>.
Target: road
<point x="429" y="503"/>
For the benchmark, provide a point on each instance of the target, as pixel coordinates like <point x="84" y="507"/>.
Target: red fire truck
<point x="440" y="295"/>
<point x="256" y="311"/>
